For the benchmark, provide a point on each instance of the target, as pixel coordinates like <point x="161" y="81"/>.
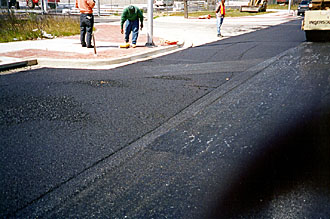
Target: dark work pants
<point x="86" y="28"/>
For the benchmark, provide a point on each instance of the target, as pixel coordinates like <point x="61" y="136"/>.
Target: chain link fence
<point x="62" y="6"/>
<point x="110" y="7"/>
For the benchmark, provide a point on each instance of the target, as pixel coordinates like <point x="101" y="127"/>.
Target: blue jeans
<point x="132" y="26"/>
<point x="219" y="23"/>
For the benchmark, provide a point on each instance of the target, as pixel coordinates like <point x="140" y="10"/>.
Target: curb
<point x="97" y="63"/>
<point x="8" y="63"/>
<point x="17" y="64"/>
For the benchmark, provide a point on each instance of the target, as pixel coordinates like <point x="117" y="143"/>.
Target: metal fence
<point x="116" y="6"/>
<point x="113" y="3"/>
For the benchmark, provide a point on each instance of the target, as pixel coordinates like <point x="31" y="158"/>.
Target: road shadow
<point x="299" y="158"/>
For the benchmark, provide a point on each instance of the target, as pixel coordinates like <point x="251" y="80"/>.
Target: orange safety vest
<point x="222" y="9"/>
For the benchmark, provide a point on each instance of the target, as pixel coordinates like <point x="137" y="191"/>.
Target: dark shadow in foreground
<point x="300" y="158"/>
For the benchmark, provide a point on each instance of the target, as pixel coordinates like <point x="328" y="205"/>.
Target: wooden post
<point x="185" y="5"/>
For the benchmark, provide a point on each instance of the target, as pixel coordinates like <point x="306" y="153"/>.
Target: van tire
<point x="317" y="35"/>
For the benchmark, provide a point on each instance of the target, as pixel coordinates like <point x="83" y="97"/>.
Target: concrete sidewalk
<point x="67" y="51"/>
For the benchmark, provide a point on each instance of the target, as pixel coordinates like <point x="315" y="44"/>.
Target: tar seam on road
<point x="78" y="182"/>
<point x="247" y="50"/>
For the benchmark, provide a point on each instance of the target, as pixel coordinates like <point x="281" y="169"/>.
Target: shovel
<point x="93" y="37"/>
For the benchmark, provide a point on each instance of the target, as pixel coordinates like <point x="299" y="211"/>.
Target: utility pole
<point x="150" y="23"/>
<point x="185" y="6"/>
<point x="45" y="5"/>
<point x="99" y="8"/>
<point x="8" y="7"/>
<point x="289" y="7"/>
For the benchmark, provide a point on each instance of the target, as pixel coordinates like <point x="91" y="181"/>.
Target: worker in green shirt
<point x="131" y="16"/>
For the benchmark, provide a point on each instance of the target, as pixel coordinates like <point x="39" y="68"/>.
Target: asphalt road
<point x="185" y="135"/>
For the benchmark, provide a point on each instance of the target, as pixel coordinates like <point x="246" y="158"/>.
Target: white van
<point x="163" y="3"/>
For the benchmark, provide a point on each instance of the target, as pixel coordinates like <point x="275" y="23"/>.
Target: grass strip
<point x="32" y="26"/>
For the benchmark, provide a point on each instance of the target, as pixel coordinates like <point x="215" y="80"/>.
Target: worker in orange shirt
<point x="220" y="12"/>
<point x="86" y="21"/>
